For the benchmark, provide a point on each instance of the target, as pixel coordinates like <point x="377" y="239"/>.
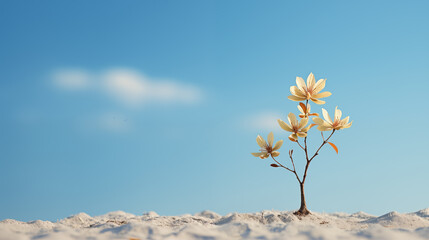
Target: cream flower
<point x="296" y="127"/>
<point x="309" y="91"/>
<point x="267" y="149"/>
<point x="305" y="110"/>
<point x="328" y="124"/>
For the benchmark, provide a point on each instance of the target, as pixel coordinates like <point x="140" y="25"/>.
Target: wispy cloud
<point x="71" y="79"/>
<point x="133" y="88"/>
<point x="128" y="86"/>
<point x="263" y="122"/>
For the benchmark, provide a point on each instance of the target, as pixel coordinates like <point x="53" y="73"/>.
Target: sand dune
<point x="210" y="225"/>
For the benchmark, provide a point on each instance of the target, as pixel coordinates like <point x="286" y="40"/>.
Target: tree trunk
<point x="303" y="209"/>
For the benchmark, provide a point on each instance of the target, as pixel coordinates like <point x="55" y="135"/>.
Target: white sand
<point x="209" y="225"/>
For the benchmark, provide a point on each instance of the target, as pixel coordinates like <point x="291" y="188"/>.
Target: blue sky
<point x="155" y="105"/>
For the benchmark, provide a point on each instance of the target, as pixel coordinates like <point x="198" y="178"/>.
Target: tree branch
<point x="300" y="145"/>
<point x="293" y="171"/>
<point x="324" y="142"/>
<point x="293" y="164"/>
<point x="306" y="153"/>
<point x="291" y="159"/>
<point x="308" y="161"/>
<point x="281" y="165"/>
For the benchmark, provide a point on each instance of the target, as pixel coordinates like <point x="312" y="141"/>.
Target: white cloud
<point x="129" y="86"/>
<point x="71" y="79"/>
<point x="126" y="86"/>
<point x="263" y="122"/>
<point x="134" y="88"/>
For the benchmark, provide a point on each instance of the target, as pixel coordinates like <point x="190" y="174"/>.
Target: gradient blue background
<point x="244" y="56"/>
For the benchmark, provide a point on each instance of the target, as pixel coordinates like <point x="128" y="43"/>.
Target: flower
<point x="297" y="128"/>
<point x="309" y="91"/>
<point x="328" y="124"/>
<point x="305" y="110"/>
<point x="267" y="149"/>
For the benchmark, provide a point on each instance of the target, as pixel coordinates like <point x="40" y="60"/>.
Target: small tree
<point x="299" y="129"/>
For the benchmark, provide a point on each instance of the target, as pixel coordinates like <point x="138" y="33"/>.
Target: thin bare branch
<point x="306" y="155"/>
<point x="308" y="161"/>
<point x="293" y="164"/>
<point x="324" y="142"/>
<point x="281" y="165"/>
<point x="291" y="159"/>
<point x="300" y="145"/>
<point x="306" y="149"/>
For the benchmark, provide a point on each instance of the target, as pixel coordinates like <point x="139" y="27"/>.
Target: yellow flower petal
<point x="303" y="107"/>
<point x="301" y="134"/>
<point x="293" y="137"/>
<point x="319" y="86"/>
<point x="301" y="84"/>
<point x="344" y="121"/>
<point x="308" y="127"/>
<point x="270" y="139"/>
<point x="278" y="145"/>
<point x="311" y="81"/>
<point x="275" y="154"/>
<point x="296" y="92"/>
<point x="266" y="155"/>
<point x="292" y="120"/>
<point x="318" y="120"/>
<point x="326" y="124"/>
<point x="326" y="116"/>
<point x="261" y="142"/>
<point x="317" y="101"/>
<point x="295" y="98"/>
<point x="284" y="125"/>
<point x="258" y="154"/>
<point x="303" y="123"/>
<point x="322" y="95"/>
<point x="300" y="108"/>
<point x="323" y="128"/>
<point x="338" y="114"/>
<point x="348" y="125"/>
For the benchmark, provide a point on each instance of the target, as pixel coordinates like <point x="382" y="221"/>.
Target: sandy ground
<point x="208" y="225"/>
